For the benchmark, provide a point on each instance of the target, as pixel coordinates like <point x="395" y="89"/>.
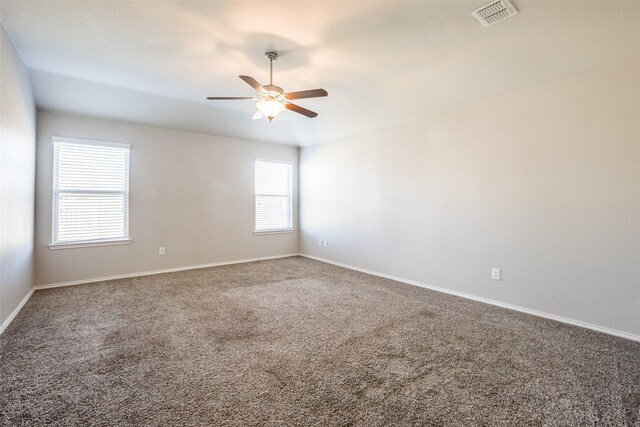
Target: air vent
<point x="494" y="12"/>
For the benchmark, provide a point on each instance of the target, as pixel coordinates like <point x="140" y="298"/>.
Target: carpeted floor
<point x="298" y="342"/>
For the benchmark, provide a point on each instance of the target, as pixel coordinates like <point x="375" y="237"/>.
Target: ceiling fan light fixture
<point x="270" y="108"/>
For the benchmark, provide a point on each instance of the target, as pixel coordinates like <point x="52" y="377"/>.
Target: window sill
<point x="89" y="244"/>
<point x="287" y="231"/>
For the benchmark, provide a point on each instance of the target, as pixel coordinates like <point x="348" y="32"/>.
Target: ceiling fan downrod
<point x="271" y="56"/>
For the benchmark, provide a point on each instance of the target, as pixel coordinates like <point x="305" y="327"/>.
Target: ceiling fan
<point x="272" y="100"/>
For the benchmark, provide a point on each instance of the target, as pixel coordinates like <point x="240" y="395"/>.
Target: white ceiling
<point x="381" y="62"/>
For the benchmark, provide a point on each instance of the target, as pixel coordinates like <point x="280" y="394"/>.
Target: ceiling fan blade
<point x="258" y="115"/>
<point x="312" y="93"/>
<point x="253" y="83"/>
<point x="298" y="109"/>
<point x="234" y="98"/>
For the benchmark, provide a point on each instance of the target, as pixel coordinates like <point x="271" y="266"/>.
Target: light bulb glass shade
<point x="270" y="109"/>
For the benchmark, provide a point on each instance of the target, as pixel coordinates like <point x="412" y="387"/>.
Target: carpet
<point x="297" y="342"/>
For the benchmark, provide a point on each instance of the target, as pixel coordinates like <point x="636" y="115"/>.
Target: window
<point x="274" y="199"/>
<point x="90" y="191"/>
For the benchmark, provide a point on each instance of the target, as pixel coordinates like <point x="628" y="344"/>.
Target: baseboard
<point x="15" y="312"/>
<point x="561" y="319"/>
<point x="150" y="273"/>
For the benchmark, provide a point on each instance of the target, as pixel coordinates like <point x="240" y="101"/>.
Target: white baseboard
<point x="124" y="276"/>
<point x="573" y="322"/>
<point x="166" y="270"/>
<point x="561" y="319"/>
<point x="15" y="312"/>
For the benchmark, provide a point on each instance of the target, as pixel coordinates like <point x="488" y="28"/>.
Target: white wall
<point x="192" y="193"/>
<point x="544" y="184"/>
<point x="17" y="176"/>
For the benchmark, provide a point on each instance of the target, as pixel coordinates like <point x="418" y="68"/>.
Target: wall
<point x="192" y="193"/>
<point x="544" y="184"/>
<point x="17" y="179"/>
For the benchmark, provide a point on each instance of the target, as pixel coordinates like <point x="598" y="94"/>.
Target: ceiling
<point x="382" y="62"/>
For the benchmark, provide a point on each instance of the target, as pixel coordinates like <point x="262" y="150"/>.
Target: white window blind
<point x="90" y="191"/>
<point x="274" y="198"/>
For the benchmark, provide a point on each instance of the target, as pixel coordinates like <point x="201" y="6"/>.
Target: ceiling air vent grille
<point x="494" y="12"/>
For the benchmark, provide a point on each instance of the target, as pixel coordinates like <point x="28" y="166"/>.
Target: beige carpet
<point x="298" y="342"/>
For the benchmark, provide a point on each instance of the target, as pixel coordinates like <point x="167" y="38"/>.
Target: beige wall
<point x="192" y="193"/>
<point x="544" y="184"/>
<point x="17" y="176"/>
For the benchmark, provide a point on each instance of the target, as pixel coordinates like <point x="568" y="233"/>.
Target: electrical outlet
<point x="161" y="251"/>
<point x="326" y="244"/>
<point x="319" y="242"/>
<point x="495" y="273"/>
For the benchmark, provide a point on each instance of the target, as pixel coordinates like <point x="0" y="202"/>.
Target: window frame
<point x="122" y="240"/>
<point x="291" y="196"/>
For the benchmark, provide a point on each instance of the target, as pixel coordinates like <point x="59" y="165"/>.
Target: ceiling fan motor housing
<point x="273" y="90"/>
